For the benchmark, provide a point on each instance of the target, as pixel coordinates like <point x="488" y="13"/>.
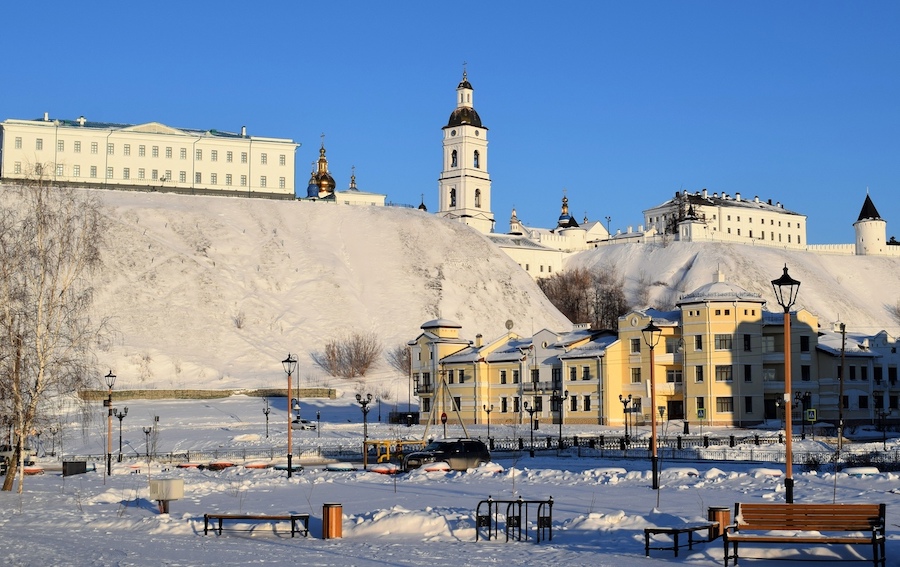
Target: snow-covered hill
<point x="857" y="290"/>
<point x="213" y="292"/>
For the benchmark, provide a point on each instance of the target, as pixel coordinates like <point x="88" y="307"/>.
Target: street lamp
<point x="652" y="334"/>
<point x="364" y="405"/>
<point x="290" y="364"/>
<point x="786" y="289"/>
<point x="110" y="382"/>
<point x="147" y="431"/>
<point x="530" y="410"/>
<point x="558" y="400"/>
<point x="882" y="420"/>
<point x="803" y="399"/>
<point x="318" y="424"/>
<point x="120" y="415"/>
<point x="625" y="401"/>
<point x="53" y="431"/>
<point x="266" y="412"/>
<point x="488" y="411"/>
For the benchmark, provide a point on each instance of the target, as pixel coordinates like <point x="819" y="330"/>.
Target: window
<point x="109" y="173"/>
<point x="535" y="375"/>
<point x="77" y="147"/>
<point x="451" y="377"/>
<point x="768" y="344"/>
<point x="698" y="342"/>
<point x="243" y="180"/>
<point x="878" y="374"/>
<point x="723" y="342"/>
<point x="852" y="372"/>
<point x="673" y="377"/>
<point x="804" y="343"/>
<point x="556" y="376"/>
<point x="243" y="157"/>
<point x="478" y="198"/>
<point x="154" y="174"/>
<point x="457" y="402"/>
<point x="864" y="373"/>
<point x="504" y="405"/>
<point x="110" y="149"/>
<point x="198" y="177"/>
<point x="453" y="158"/>
<point x="59" y="169"/>
<point x="698" y="374"/>
<point x="452" y="197"/>
<point x="748" y="373"/>
<point x="748" y="404"/>
<point x="154" y="151"/>
<point x="672" y="345"/>
<point x="198" y="155"/>
<point x="17" y="167"/>
<point x="516" y="404"/>
<point x="168" y="175"/>
<point x="76" y="171"/>
<point x="718" y="312"/>
<point x="863" y="401"/>
<point x="515" y="377"/>
<point x="227" y="179"/>
<point x="503" y="376"/>
<point x="262" y="180"/>
<point x="587" y="403"/>
<point x="573" y="403"/>
<point x="94" y="147"/>
<point x="426" y="404"/>
<point x="38" y="169"/>
<point x="213" y="155"/>
<point x="539" y="403"/>
<point x="282" y="182"/>
<point x="585" y="372"/>
<point x="264" y="158"/>
<point x="635" y="346"/>
<point x="168" y="152"/>
<point x="635" y="375"/>
<point x="126" y="173"/>
<point x="723" y="373"/>
<point x="805" y="373"/>
<point x="182" y="177"/>
<point x="126" y="150"/>
<point x="142" y="150"/>
<point x="182" y="153"/>
<point x="845" y="402"/>
<point x="747" y="343"/>
<point x="93" y="171"/>
<point x="229" y="156"/>
<point x="39" y="144"/>
<point x="142" y="173"/>
<point x="281" y="159"/>
<point x="18" y="142"/>
<point x="213" y="178"/>
<point x="725" y="404"/>
<point x="60" y="145"/>
<point x="476" y="161"/>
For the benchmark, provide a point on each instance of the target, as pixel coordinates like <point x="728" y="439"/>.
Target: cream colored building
<point x="151" y="156"/>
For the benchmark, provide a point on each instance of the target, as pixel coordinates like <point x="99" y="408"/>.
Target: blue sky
<point x="621" y="104"/>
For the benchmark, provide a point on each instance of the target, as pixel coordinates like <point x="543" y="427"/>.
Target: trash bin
<point x="332" y="521"/>
<point x="721" y="514"/>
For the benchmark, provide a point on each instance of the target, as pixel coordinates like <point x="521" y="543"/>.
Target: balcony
<point x="545" y="387"/>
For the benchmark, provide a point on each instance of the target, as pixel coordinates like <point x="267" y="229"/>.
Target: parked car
<point x="6" y="453"/>
<point x="303" y="424"/>
<point x="459" y="454"/>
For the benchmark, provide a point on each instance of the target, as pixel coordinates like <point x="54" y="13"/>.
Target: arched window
<point x="453" y="159"/>
<point x="453" y="197"/>
<point x="477" y="194"/>
<point x="477" y="159"/>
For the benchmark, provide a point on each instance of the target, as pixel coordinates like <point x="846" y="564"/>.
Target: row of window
<point x="476" y="159"/>
<point x="154" y="175"/>
<point x="720" y="342"/>
<point x="154" y="151"/>
<point x="762" y="221"/>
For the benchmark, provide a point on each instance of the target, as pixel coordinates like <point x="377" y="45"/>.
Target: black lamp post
<point x="147" y="431"/>
<point x="120" y="415"/>
<point x="53" y="431"/>
<point x="652" y="335"/>
<point x="266" y="412"/>
<point x="110" y="382"/>
<point x="290" y="365"/>
<point x="803" y="398"/>
<point x="625" y="401"/>
<point x="364" y="405"/>
<point x="488" y="411"/>
<point x="530" y="410"/>
<point x="786" y="289"/>
<point x="558" y="400"/>
<point x="882" y="422"/>
<point x="318" y="423"/>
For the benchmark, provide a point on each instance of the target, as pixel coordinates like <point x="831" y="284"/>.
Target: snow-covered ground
<point x="600" y="505"/>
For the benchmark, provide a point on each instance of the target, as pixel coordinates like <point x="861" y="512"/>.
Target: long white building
<point x="149" y="156"/>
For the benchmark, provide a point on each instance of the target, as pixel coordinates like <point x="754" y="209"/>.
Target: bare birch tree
<point x="50" y="241"/>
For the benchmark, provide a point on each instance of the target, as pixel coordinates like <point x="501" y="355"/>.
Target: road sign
<point x="811" y="415"/>
<point x="444" y="417"/>
<point x="701" y="413"/>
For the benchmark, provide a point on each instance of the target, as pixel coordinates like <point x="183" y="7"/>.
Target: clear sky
<point x="619" y="103"/>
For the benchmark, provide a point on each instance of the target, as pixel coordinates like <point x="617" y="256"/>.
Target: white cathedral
<point x="464" y="194"/>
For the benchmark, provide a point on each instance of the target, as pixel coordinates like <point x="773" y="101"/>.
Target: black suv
<point x="459" y="454"/>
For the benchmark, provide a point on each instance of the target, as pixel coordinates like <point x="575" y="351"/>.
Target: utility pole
<point x="841" y="388"/>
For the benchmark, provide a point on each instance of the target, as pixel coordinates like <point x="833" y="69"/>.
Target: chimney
<point x="478" y="340"/>
<point x="81" y="120"/>
<point x="756" y="199"/>
<point x="770" y="201"/>
<point x="737" y="196"/>
<point x="46" y="117"/>
<point x="243" y="131"/>
<point x="704" y="193"/>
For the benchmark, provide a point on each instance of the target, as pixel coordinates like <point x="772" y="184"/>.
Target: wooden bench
<point x="790" y="524"/>
<point x="303" y="520"/>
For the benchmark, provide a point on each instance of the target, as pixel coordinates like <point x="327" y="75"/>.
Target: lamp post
<point x="530" y="410"/>
<point x="110" y="382"/>
<point x="558" y="401"/>
<point x="120" y="415"/>
<point x="803" y="399"/>
<point x="882" y="422"/>
<point x="53" y="431"/>
<point x="318" y="423"/>
<point x="652" y="334"/>
<point x="488" y="411"/>
<point x="266" y="411"/>
<point x="786" y="289"/>
<point x="364" y="405"/>
<point x="289" y="364"/>
<point x="625" y="401"/>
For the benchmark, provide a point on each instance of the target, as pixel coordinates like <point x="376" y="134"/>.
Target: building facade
<point x="149" y="156"/>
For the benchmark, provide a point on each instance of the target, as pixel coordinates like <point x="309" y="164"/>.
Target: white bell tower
<point x="465" y="185"/>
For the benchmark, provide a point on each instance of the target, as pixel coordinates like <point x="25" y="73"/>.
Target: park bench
<point x="791" y="524"/>
<point x="301" y="528"/>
